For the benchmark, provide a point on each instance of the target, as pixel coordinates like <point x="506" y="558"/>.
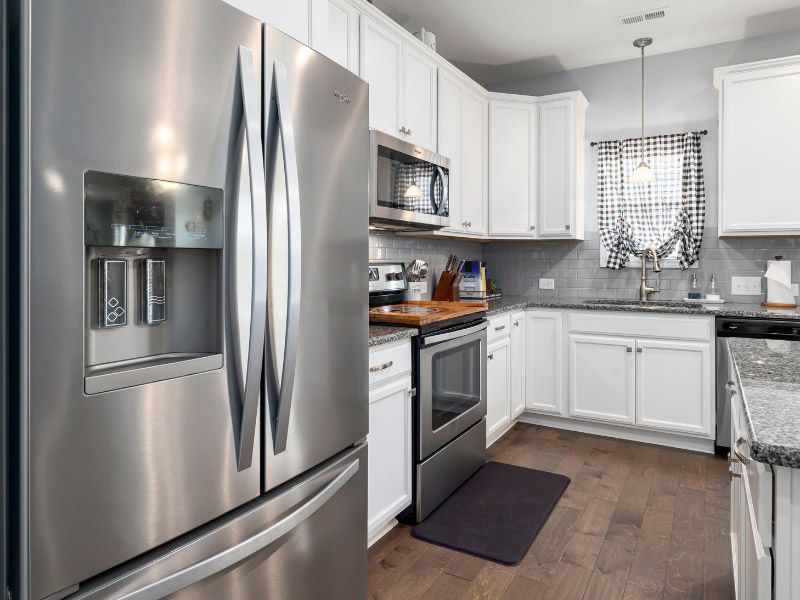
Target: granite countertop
<point x="729" y="309"/>
<point x="768" y="373"/>
<point x="384" y="334"/>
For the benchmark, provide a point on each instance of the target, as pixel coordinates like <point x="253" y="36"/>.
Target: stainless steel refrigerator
<point x="191" y="323"/>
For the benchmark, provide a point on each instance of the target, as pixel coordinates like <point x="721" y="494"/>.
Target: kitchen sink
<point x="640" y="303"/>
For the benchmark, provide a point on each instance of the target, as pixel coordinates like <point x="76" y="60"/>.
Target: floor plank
<point x="636" y="521"/>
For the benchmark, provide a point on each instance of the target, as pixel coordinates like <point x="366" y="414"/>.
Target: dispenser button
<point x="113" y="288"/>
<point x="154" y="291"/>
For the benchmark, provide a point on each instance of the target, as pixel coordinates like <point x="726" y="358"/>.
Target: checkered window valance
<point x="668" y="214"/>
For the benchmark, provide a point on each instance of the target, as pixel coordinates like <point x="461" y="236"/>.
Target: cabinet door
<point x="449" y="141"/>
<point x="755" y="561"/>
<point x="674" y="389"/>
<point x="544" y="362"/>
<point x="512" y="169"/>
<point x="517" y="364"/>
<point x="293" y="18"/>
<point x="381" y="65"/>
<point x="556" y="198"/>
<point x="498" y="384"/>
<point x="474" y="161"/>
<point x="389" y="452"/>
<point x="343" y="34"/>
<point x="760" y="125"/>
<point x="602" y="378"/>
<point x="419" y="104"/>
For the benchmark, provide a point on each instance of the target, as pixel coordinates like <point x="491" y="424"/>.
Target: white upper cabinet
<point x="513" y="143"/>
<point x="561" y="174"/>
<point x="474" y="161"/>
<point x="304" y="20"/>
<point x="402" y="85"/>
<point x="343" y="34"/>
<point x="382" y="67"/>
<point x="419" y="101"/>
<point x="463" y="127"/>
<point x="759" y="128"/>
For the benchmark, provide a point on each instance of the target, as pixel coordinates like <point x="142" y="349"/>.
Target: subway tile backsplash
<point x="575" y="266"/>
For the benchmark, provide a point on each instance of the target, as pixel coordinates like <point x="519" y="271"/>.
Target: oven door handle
<point x="451" y="335"/>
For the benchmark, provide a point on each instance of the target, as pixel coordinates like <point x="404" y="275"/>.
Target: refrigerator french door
<point x="182" y="190"/>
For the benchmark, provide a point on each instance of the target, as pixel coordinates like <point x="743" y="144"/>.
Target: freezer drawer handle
<point x="249" y="375"/>
<point x="241" y="551"/>
<point x="280" y="393"/>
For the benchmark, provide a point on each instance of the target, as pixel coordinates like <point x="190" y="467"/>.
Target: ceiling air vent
<point x="643" y="16"/>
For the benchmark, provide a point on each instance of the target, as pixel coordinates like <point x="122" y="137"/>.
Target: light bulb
<point x="642" y="174"/>
<point x="413" y="191"/>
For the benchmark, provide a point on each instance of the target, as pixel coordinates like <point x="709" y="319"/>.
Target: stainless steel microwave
<point x="408" y="185"/>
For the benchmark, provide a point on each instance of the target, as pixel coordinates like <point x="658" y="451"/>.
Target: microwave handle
<point x="443" y="202"/>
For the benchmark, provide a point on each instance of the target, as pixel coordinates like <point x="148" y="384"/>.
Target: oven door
<point x="452" y="385"/>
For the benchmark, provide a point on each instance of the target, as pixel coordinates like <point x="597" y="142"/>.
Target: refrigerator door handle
<point x="214" y="564"/>
<point x="251" y="372"/>
<point x="283" y="407"/>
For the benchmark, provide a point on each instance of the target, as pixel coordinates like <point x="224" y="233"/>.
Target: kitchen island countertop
<point x="768" y="374"/>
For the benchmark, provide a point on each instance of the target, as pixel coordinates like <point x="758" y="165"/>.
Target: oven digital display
<point x="121" y="210"/>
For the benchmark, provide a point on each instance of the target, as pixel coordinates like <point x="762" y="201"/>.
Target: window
<point x="667" y="215"/>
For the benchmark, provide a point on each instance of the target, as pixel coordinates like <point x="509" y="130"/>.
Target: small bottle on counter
<point x="694" y="290"/>
<point x="712" y="293"/>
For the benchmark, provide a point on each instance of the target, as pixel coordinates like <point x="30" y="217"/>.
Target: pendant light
<point x="643" y="173"/>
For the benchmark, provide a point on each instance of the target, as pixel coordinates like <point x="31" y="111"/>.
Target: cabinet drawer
<point x="499" y="326"/>
<point x="638" y="325"/>
<point x="388" y="362"/>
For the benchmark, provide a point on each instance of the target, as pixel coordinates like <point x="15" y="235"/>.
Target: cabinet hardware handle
<point x="738" y="453"/>
<point x="500" y="328"/>
<point x="412" y="392"/>
<point x="516" y="323"/>
<point x="566" y="227"/>
<point x="382" y="367"/>
<point x="732" y="472"/>
<point x="463" y="223"/>
<point x="408" y="131"/>
<point x="731" y="389"/>
<point x="533" y="227"/>
<point x="639" y="350"/>
<point x="469" y="223"/>
<point x="629" y="349"/>
<point x="491" y="357"/>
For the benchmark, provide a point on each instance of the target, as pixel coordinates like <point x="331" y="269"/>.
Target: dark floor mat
<point x="496" y="514"/>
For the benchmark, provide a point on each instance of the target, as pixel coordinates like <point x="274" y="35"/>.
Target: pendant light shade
<point x="643" y="173"/>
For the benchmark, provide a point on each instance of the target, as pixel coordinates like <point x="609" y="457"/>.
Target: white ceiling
<point x="530" y="37"/>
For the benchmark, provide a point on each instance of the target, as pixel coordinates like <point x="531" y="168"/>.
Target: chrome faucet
<point x="644" y="289"/>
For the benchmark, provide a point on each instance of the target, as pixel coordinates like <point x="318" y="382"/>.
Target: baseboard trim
<point x="617" y="431"/>
<point x="500" y="432"/>
<point x="380" y="531"/>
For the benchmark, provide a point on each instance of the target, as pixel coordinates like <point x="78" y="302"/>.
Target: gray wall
<point x="679" y="97"/>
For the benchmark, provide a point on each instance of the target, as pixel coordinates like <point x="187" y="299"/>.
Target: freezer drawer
<point x="305" y="542"/>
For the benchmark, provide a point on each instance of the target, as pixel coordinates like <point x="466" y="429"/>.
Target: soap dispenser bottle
<point x="694" y="290"/>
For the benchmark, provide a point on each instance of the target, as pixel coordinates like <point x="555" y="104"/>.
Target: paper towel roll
<point x="779" y="282"/>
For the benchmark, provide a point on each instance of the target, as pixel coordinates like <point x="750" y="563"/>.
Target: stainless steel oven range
<point x="449" y="370"/>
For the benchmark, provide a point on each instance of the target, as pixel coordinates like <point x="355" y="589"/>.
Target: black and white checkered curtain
<point x="664" y="214"/>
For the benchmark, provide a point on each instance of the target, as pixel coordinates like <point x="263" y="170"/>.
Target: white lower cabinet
<point x="517" y="364"/>
<point x="602" y="378"/>
<point x="389" y="444"/>
<point x="544" y="361"/>
<point x="498" y="388"/>
<point x="673" y="379"/>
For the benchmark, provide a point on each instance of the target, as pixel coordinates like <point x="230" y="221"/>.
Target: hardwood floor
<point x="637" y="521"/>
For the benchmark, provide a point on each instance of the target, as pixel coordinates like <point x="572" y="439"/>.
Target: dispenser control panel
<point x="121" y="210"/>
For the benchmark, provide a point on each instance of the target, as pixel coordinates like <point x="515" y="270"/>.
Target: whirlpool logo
<point x="341" y="97"/>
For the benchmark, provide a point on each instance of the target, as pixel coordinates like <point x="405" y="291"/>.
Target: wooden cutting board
<point x="440" y="311"/>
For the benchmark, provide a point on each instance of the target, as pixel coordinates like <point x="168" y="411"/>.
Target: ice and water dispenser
<point x="154" y="278"/>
